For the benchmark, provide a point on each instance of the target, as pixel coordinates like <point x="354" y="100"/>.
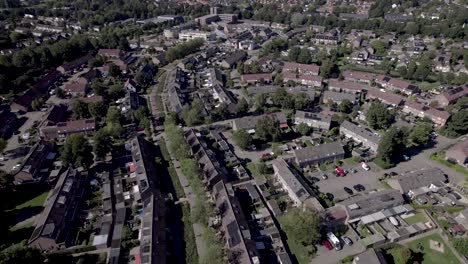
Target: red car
<point x="327" y="244"/>
<point x="340" y="171"/>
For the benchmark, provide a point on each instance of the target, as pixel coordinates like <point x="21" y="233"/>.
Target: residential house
<point x="396" y="84"/>
<point x="89" y="76"/>
<point x="248" y="123"/>
<point x="175" y="85"/>
<point x="458" y="152"/>
<point x="56" y="114"/>
<point x="320" y="121"/>
<point x="206" y="158"/>
<point x="334" y="97"/>
<point x="54" y="226"/>
<point x="23" y="102"/>
<point x="361" y="134"/>
<point x="257" y="78"/>
<point x="63" y="129"/>
<point x="110" y="53"/>
<point x="346" y="87"/>
<point x="152" y="237"/>
<point x="325" y="39"/>
<point x="416" y="182"/>
<point x="289" y="182"/>
<point x="370" y="256"/>
<point x="75" y="64"/>
<point x="75" y="89"/>
<point x="359" y="208"/>
<point x="384" y="97"/>
<point x="130" y="85"/>
<point x="442" y="62"/>
<point x="414" y="108"/>
<point x="309" y="80"/>
<point x="233" y="59"/>
<point x="439" y="117"/>
<point x="301" y="69"/>
<point x="356" y="76"/>
<point x="452" y="95"/>
<point x="316" y="155"/>
<point x="30" y="169"/>
<point x="239" y="244"/>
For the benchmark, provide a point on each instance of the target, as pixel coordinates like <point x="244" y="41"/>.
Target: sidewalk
<point x="197" y="228"/>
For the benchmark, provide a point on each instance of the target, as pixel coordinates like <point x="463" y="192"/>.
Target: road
<point x="190" y="196"/>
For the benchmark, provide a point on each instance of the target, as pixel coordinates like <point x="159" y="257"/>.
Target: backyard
<point x="418" y="217"/>
<point x="432" y="256"/>
<point x="440" y="158"/>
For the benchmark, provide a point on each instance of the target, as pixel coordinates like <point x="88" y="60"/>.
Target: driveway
<point x="325" y="256"/>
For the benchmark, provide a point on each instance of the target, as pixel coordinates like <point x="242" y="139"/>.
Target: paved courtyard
<point x="325" y="256"/>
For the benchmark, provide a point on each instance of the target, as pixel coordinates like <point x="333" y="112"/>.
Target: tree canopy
<point x="77" y="152"/>
<point x="267" y="129"/>
<point x="301" y="226"/>
<point x="392" y="145"/>
<point x="457" y="125"/>
<point x="378" y="116"/>
<point x="242" y="138"/>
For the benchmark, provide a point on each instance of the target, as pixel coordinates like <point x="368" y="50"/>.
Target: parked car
<point x="314" y="179"/>
<point x="324" y="176"/>
<point x="347" y="240"/>
<point x="405" y="157"/>
<point x="359" y="187"/>
<point x="340" y="171"/>
<point x="348" y="190"/>
<point x="353" y="170"/>
<point x="327" y="244"/>
<point x="365" y="166"/>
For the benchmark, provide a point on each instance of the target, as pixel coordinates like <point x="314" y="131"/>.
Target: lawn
<point x="298" y="250"/>
<point x="418" y="217"/>
<point x="440" y="157"/>
<point x="431" y="256"/>
<point x="351" y="161"/>
<point x="37" y="201"/>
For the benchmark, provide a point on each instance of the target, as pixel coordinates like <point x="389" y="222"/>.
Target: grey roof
<point x="369" y="256"/>
<point x="235" y="57"/>
<point x="360" y="131"/>
<point x="249" y="122"/>
<point x="318" y="152"/>
<point x="420" y="178"/>
<point x="175" y="81"/>
<point x="320" y="117"/>
<point x="338" y="97"/>
<point x="282" y="170"/>
<point x="373" y="202"/>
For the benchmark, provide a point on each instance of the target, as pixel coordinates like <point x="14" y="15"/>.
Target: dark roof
<point x="420" y="178"/>
<point x="319" y="152"/>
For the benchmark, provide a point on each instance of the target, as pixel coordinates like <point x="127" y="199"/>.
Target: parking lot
<point x="325" y="256"/>
<point x="335" y="185"/>
<point x="15" y="151"/>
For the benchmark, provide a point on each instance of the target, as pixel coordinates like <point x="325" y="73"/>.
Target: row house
<point x="361" y="134"/>
<point x="63" y="129"/>
<point x="347" y="87"/>
<point x="355" y="76"/>
<point x="297" y="192"/>
<point x="249" y="123"/>
<point x="396" y="84"/>
<point x="75" y="89"/>
<point x="30" y="169"/>
<point x="384" y="97"/>
<point x="320" y="121"/>
<point x="335" y="97"/>
<point x="451" y="95"/>
<point x="302" y="69"/>
<point x="309" y="80"/>
<point x="257" y="78"/>
<point x="316" y="155"/>
<point x="74" y="64"/>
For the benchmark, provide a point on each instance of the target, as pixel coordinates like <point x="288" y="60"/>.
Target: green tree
<point x="378" y="116"/>
<point x="419" y="135"/>
<point x="304" y="56"/>
<point x="267" y="129"/>
<point x="328" y="68"/>
<point x="3" y="144"/>
<point x="116" y="91"/>
<point x="37" y="103"/>
<point x="457" y="125"/>
<point x="192" y="114"/>
<point x="379" y="46"/>
<point x="392" y="145"/>
<point x="76" y="151"/>
<point x="301" y="226"/>
<point x="293" y="53"/>
<point x="102" y="143"/>
<point x="97" y="110"/>
<point x="80" y="108"/>
<point x="260" y="100"/>
<point x="461" y="244"/>
<point x="301" y="101"/>
<point x="345" y="106"/>
<point x="303" y="129"/>
<point x="6" y="179"/>
<point x="113" y="115"/>
<point x="21" y="254"/>
<point x="114" y="71"/>
<point x="242" y="106"/>
<point x="401" y="255"/>
<point x="242" y="138"/>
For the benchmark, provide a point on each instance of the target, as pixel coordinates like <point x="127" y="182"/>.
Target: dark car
<point x="359" y="187"/>
<point x="330" y="196"/>
<point x="348" y="190"/>
<point x="393" y="173"/>
<point x="314" y="179"/>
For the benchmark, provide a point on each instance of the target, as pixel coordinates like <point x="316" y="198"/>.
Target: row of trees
<point x="183" y="49"/>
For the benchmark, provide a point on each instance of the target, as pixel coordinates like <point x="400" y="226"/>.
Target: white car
<point x="365" y="166"/>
